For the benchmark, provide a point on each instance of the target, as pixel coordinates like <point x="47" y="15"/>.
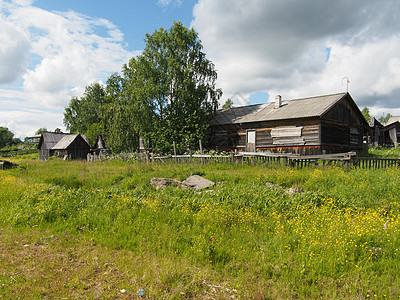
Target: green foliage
<point x="6" y="137"/>
<point x="41" y="130"/>
<point x="228" y="104"/>
<point x="84" y="115"/>
<point x="165" y="94"/>
<point x="383" y="152"/>
<point x="365" y="113"/>
<point x="385" y="118"/>
<point x="171" y="86"/>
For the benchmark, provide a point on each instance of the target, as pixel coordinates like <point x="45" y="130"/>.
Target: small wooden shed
<point x="46" y="143"/>
<point x="315" y="125"/>
<point x="375" y="135"/>
<point x="391" y="132"/>
<point x="74" y="146"/>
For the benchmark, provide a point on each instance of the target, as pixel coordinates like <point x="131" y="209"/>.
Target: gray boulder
<point x="160" y="183"/>
<point x="197" y="183"/>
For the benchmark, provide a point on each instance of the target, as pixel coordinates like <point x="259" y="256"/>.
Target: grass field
<point x="79" y="230"/>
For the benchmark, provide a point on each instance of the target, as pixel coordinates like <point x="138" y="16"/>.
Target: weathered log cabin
<point x="73" y="146"/>
<point x="375" y="135"/>
<point x="316" y="125"/>
<point x="46" y="143"/>
<point x="391" y="132"/>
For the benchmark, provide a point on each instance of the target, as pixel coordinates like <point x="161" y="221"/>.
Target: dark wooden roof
<point x="290" y="109"/>
<point x="49" y="139"/>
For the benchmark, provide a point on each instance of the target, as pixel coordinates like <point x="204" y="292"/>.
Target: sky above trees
<point x="51" y="50"/>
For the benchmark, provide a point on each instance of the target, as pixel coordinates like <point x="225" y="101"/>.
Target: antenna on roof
<point x="347" y="83"/>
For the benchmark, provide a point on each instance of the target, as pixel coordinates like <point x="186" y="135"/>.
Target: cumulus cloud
<point x="53" y="56"/>
<point x="304" y="48"/>
<point x="32" y="121"/>
<point x="70" y="53"/>
<point x="14" y="52"/>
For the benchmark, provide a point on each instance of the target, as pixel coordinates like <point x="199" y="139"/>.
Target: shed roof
<point x="67" y="140"/>
<point x="293" y="109"/>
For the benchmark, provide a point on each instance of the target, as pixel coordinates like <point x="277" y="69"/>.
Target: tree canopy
<point x="6" y="137"/>
<point x="366" y="113"/>
<point x="228" y="104"/>
<point x="41" y="130"/>
<point x="385" y="118"/>
<point x="166" y="94"/>
<point x="85" y="115"/>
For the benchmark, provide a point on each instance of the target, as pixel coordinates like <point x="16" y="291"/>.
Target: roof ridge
<point x="285" y="100"/>
<point x="313" y="97"/>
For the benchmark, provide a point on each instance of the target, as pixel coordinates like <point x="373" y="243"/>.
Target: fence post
<point x="175" y="159"/>
<point x="201" y="152"/>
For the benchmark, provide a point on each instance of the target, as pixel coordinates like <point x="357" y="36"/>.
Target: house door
<point x="251" y="141"/>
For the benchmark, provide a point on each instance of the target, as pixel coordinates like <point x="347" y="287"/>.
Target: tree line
<point x="382" y="119"/>
<point x="165" y="94"/>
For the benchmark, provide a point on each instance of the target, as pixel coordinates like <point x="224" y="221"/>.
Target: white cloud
<point x="14" y="52"/>
<point x="165" y="3"/>
<point x="71" y="53"/>
<point x="304" y="48"/>
<point x="54" y="55"/>
<point x="25" y="123"/>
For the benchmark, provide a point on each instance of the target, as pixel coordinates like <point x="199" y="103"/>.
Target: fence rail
<point x="348" y="160"/>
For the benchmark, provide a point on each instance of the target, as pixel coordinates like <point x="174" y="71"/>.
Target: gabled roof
<point x="293" y="109"/>
<point x="68" y="140"/>
<point x="393" y="119"/>
<point x="49" y="139"/>
<point x="374" y="122"/>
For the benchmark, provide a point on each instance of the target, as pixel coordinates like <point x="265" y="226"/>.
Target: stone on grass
<point x="160" y="183"/>
<point x="197" y="183"/>
<point x="294" y="190"/>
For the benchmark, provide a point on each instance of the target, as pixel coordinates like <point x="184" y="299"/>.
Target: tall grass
<point x="339" y="238"/>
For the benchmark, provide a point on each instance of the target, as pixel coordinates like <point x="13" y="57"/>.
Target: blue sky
<point x="51" y="50"/>
<point x="133" y="18"/>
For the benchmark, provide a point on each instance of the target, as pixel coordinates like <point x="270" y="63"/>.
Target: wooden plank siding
<point x="233" y="136"/>
<point x="309" y="126"/>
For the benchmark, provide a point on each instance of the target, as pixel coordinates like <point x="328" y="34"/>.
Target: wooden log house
<point x="308" y="126"/>
<point x="391" y="132"/>
<point x="75" y="146"/>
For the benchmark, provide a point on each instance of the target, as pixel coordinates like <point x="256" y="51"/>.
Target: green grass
<point x="383" y="152"/>
<point x="338" y="239"/>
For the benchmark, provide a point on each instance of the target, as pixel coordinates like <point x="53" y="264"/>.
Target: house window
<point x="287" y="136"/>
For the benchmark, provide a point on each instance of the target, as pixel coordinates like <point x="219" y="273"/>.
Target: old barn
<point x="46" y="143"/>
<point x="75" y="146"/>
<point x="316" y="125"/>
<point x="391" y="132"/>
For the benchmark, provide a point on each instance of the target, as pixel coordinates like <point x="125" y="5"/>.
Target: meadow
<point x="113" y="235"/>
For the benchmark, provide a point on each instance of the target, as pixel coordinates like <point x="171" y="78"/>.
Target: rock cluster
<point x="194" y="182"/>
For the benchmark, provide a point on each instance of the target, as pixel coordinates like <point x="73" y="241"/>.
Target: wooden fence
<point x="348" y="160"/>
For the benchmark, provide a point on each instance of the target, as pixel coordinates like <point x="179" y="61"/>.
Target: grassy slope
<point x="340" y="238"/>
